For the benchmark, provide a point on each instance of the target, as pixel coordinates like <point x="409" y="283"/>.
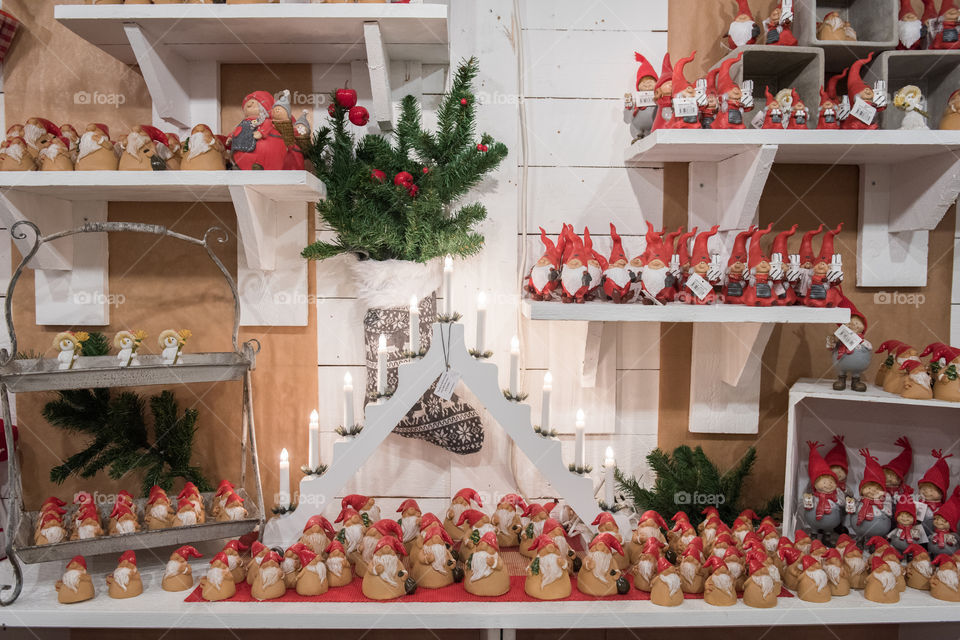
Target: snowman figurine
<point x="171" y="342"/>
<point x="823" y="507"/>
<point x="128" y="343"/>
<point x="70" y="345"/>
<point x="872" y="514"/>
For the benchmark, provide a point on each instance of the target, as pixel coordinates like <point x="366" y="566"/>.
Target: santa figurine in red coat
<point x="800" y="115"/>
<point x="736" y="282"/>
<point x="596" y="265"/>
<point x="866" y="103"/>
<point x="706" y="267"/>
<point x="663" y="94"/>
<point x="734" y="102"/>
<point x="654" y="274"/>
<point x="711" y="103"/>
<point x="777" y="28"/>
<point x="616" y="278"/>
<point x="545" y="274"/>
<point x="759" y="292"/>
<point x="949" y="36"/>
<point x="680" y="262"/>
<point x="256" y="143"/>
<point x="669" y="293"/>
<point x="910" y="30"/>
<point x="782" y="288"/>
<point x="684" y="91"/>
<point x="827" y="275"/>
<point x="800" y="271"/>
<point x="575" y="277"/>
<point x="744" y="29"/>
<point x="773" y="113"/>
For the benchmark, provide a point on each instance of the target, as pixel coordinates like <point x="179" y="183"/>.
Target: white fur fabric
<point x="386" y="284"/>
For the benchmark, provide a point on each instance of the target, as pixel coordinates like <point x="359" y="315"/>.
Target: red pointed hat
<point x="743" y="8"/>
<point x="428" y="519"/>
<point x="542" y="542"/>
<point x="755" y="564"/>
<point x="354" y="500"/>
<point x="186" y="552"/>
<point x="712" y="81"/>
<point x="654" y="249"/>
<point x="846" y="303"/>
<point x="789" y="554"/>
<point x="666" y="72"/>
<point x="652" y="547"/>
<point x="900" y="465"/>
<point x="80" y="560"/>
<point x="257" y="548"/>
<point x="54" y="500"/>
<point x="946" y="6"/>
<point x="155" y="134"/>
<point x="837" y="456"/>
<point x="910" y="365"/>
<point x="616" y="252"/>
<point x="756" y="249"/>
<point x="780" y="242"/>
<point x="678" y="516"/>
<point x="668" y="241"/>
<point x="234" y="545"/>
<point x="469" y="494"/>
<point x="189" y="489"/>
<point x="693" y="551"/>
<point x="650" y="514"/>
<point x="771" y="99"/>
<point x="393" y="543"/>
<point x="346" y="514"/>
<point x="306" y="555"/>
<point x="49" y="127"/>
<point x="470" y="515"/>
<point x="605" y="517"/>
<point x="826" y="247"/>
<point x="125" y="496"/>
<point x="824" y="97"/>
<point x="950" y="511"/>
<point x="388" y="527"/>
<point x="872" y="471"/>
<point x="701" y="250"/>
<point x="683" y="251"/>
<point x="663" y="565"/>
<point x="491" y="539"/>
<point x="224" y="487"/>
<point x="932" y="350"/>
<point x="855" y="83"/>
<point x="323" y="523"/>
<point x="128" y="556"/>
<point x="806" y="245"/>
<point x="714" y="563"/>
<point x="832" y="84"/>
<point x="612" y="543"/>
<point x="906" y="6"/>
<point x="680" y="81"/>
<point x="551" y="252"/>
<point x="816" y="465"/>
<point x="888" y="345"/>
<point x="438" y="530"/>
<point x="739" y="251"/>
<point x="876" y="562"/>
<point x="265" y="98"/>
<point x="335" y="545"/>
<point x="514" y="500"/>
<point x="724" y="81"/>
<point x="795" y="97"/>
<point x="709" y="511"/>
<point x="939" y="474"/>
<point x="409" y="503"/>
<point x="749" y="514"/>
<point x="645" y="70"/>
<point x="943" y="559"/>
<point x="809" y="561"/>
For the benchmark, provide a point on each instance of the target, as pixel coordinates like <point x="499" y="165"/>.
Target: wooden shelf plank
<point x="677" y="312"/>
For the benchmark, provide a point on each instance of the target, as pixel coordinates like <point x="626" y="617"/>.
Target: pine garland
<point x="379" y="220"/>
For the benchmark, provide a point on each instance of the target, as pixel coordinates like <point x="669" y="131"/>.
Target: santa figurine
<point x="15" y="157"/>
<point x="866" y="102"/>
<point x="896" y="471"/>
<point x="944" y="584"/>
<point x="711" y="103"/>
<point x="364" y="505"/>
<point x="409" y="522"/>
<point x="312" y="577"/>
<point x="96" y="152"/>
<point x="705" y="266"/>
<point x="386" y="578"/>
<point x="122" y="520"/>
<point x="645" y="567"/>
<point x="464" y="499"/>
<point x="827" y="274"/>
<point x="140" y="150"/>
<point x="896" y="376"/>
<point x="910" y="30"/>
<point x="718" y="588"/>
<point x="947" y="383"/>
<point x="617" y="284"/>
<point x="907" y="530"/>
<point x="762" y="589"/>
<point x="744" y="29"/>
<point x="125" y="580"/>
<point x="158" y="512"/>
<point x="433" y="565"/>
<point x="822" y="508"/>
<point x="759" y="291"/>
<point x="642" y="115"/>
<point x="663" y="94"/>
<point x="258" y="551"/>
<point x="599" y="576"/>
<point x="485" y="573"/>
<point x="813" y="585"/>
<point x="547" y="574"/>
<point x="665" y="588"/>
<point x="269" y="583"/>
<point x="734" y="101"/>
<point x="233" y="510"/>
<point x="847" y="360"/>
<point x="218" y="582"/>
<point x="507" y="520"/>
<point x="736" y="276"/>
<point x="919" y="569"/>
<point x="777" y="27"/>
<point x="800" y="115"/>
<point x="255" y="143"/>
<point x="75" y="585"/>
<point x="177" y="574"/>
<point x="56" y="156"/>
<point x="918" y="384"/>
<point x="202" y="151"/>
<point x="339" y="571"/>
<point x="682" y="89"/>
<point x="881" y="583"/>
<point x="947" y="38"/>
<point x="773" y="112"/>
<point x="545" y="274"/>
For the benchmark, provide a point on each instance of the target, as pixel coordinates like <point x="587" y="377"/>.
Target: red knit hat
<point x="906" y="506"/>
<point x="816" y="465"/>
<point x="939" y="474"/>
<point x="388" y="527"/>
<point x="683" y="251"/>
<point x="946" y="6"/>
<point x="605" y="517"/>
<point x="743" y="8"/>
<point x="668" y="241"/>
<point x="724" y="81"/>
<point x="80" y="560"/>
<point x="906" y="6"/>
<point x="826" y="247"/>
<point x="616" y="252"/>
<point x="806" y="245"/>
<point x="666" y="71"/>
<point x="701" y="250"/>
<point x="409" y="503"/>
<point x="265" y="98"/>
<point x="872" y="471"/>
<point x="680" y="81"/>
<point x="846" y="303"/>
<point x="771" y="99"/>
<point x="832" y="84"/>
<point x="837" y="457"/>
<point x="756" y="249"/>
<point x="900" y="465"/>
<point x="855" y="83"/>
<point x="950" y="511"/>
<point x="739" y="251"/>
<point x="877" y="562"/>
<point x="608" y="540"/>
<point x="186" y="552"/>
<point x="646" y="69"/>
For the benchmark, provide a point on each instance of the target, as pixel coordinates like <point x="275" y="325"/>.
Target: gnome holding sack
<point x="386" y="578"/>
<point x="177" y="574"/>
<point x="944" y="584"/>
<point x="312" y="577"/>
<point x="125" y="580"/>
<point x="823" y="506"/>
<point x="218" y="583"/>
<point x="464" y="499"/>
<point x="872" y="515"/>
<point x="203" y="151"/>
<point x="881" y="583"/>
<point x="75" y="585"/>
<point x="339" y="572"/>
<point x="641" y="116"/>
<point x="665" y="588"/>
<point x="851" y="359"/>
<point x="485" y="572"/>
<point x="545" y="274"/>
<point x="507" y="520"/>
<point x="433" y="565"/>
<point x="547" y="574"/>
<point x="866" y="103"/>
<point x="599" y="576"/>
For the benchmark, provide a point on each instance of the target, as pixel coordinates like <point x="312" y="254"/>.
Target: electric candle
<point x="514" y="365"/>
<point x="348" y="420"/>
<point x="414" y="325"/>
<point x="578" y="456"/>
<point x="448" y="285"/>
<point x="608" y="466"/>
<point x="313" y="457"/>
<point x="545" y="402"/>
<point x="382" y="365"/>
<point x="481" y="322"/>
<point x="284" y="479"/>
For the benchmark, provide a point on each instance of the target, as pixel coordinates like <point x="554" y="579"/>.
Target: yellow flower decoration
<point x="185" y="334"/>
<point x="139" y="335"/>
<point x="81" y="336"/>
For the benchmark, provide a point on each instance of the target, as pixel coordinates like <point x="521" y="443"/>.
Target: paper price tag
<point x="863" y="111"/>
<point x="921" y="510"/>
<point x="846" y="335"/>
<point x="807" y="501"/>
<point x="757" y="122"/>
<point x="684" y="107"/>
<point x="698" y="286"/>
<point x="645" y="99"/>
<point x="851" y="505"/>
<point x="446" y="383"/>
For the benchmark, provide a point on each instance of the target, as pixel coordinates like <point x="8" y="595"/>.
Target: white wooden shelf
<point x="271" y="209"/>
<point x="179" y="47"/>
<point x="872" y="419"/>
<point x="678" y="312"/>
<point x="908" y="180"/>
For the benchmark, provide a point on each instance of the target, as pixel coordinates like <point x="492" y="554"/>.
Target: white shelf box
<point x="937" y="73"/>
<point x="780" y="68"/>
<point x="875" y="22"/>
<point x="679" y="312"/>
<point x="873" y="419"/>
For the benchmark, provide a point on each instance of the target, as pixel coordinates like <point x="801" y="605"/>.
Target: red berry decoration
<point x="331" y="110"/>
<point x="413" y="190"/>
<point x="426" y="170"/>
<point x="346" y="98"/>
<point x="359" y="116"/>
<point x="482" y="147"/>
<point x="463" y="101"/>
<point x="378" y="175"/>
<point x="403" y="179"/>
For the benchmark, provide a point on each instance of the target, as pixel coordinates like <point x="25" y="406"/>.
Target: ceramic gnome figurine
<point x="159" y="512"/>
<point x="269" y="582"/>
<point x="202" y="151"/>
<point x="665" y="588"/>
<point x="238" y="569"/>
<point x="233" y="509"/>
<point x="734" y="101"/>
<point x="949" y="36"/>
<point x="663" y="95"/>
<point x="125" y="580"/>
<point x="710" y="105"/>
<point x="50" y="529"/>
<point x="617" y="284"/>
<point x="761" y="590"/>
<point x="56" y="156"/>
<point x="485" y="573"/>
<point x="599" y="576"/>
<point x="312" y="577"/>
<point x="910" y="100"/>
<point x="853" y="353"/>
<point x="704" y="267"/>
<point x="743" y="30"/>
<point x="606" y="523"/>
<point x="641" y="114"/>
<point x="371" y="537"/>
<point x="364" y="505"/>
<point x="317" y="534"/>
<point x="88" y="523"/>
<point x="896" y="378"/>
<point x="736" y="276"/>
<point x="545" y="274"/>
<point x="719" y="589"/>
<point x="759" y="291"/>
<point x="141" y="150"/>
<point x="873" y="513"/>
<point x="827" y="274"/>
<point x="918" y="384"/>
<point x="910" y="29"/>
<point x="575" y="279"/>
<point x="684" y="96"/>
<point x="777" y="26"/>
<point x="823" y="507"/>
<point x="218" y="582"/>
<point x="386" y="578"/>
<point x="881" y="583"/>
<point x="339" y="572"/>
<point x="813" y="585"/>
<point x="122" y="520"/>
<point x="944" y="584"/>
<point x="834" y="27"/>
<point x="433" y="565"/>
<point x="773" y="112"/>
<point x="892" y="557"/>
<point x="947" y="383"/>
<point x="464" y="499"/>
<point x="75" y="585"/>
<point x="856" y="566"/>
<point x="801" y="265"/>
<point x="836" y="571"/>
<point x="258" y="551"/>
<point x="898" y="469"/>
<point x="96" y="151"/>
<point x="932" y="489"/>
<point x="548" y="573"/>
<point x="290" y="564"/>
<point x="800" y="115"/>
<point x="907" y="530"/>
<point x="866" y="102"/>
<point x="507" y="520"/>
<point x="255" y="142"/>
<point x="943" y="536"/>
<point x="836" y="458"/>
<point x="920" y="568"/>
<point x="950" y="121"/>
<point x="14" y="155"/>
<point x="645" y="567"/>
<point x="828" y="113"/>
<point x="177" y="574"/>
<point x="655" y="277"/>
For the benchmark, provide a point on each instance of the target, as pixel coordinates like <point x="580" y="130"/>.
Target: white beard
<point x="232" y="561"/>
<point x="740" y="535"/>
<point x="855" y="565"/>
<point x="595" y="273"/>
<point x="90" y="142"/>
<point x="318" y="568"/>
<point x="924" y="567"/>
<point x="741" y="32"/>
<point x="770" y="544"/>
<point x="236" y="513"/>
<point x="895" y="567"/>
<point x="922" y="378"/>
<point x="487" y="528"/>
<point x="121" y="576"/>
<point x="369" y="546"/>
<point x="439" y="552"/>
<point x="353" y="534"/>
<point x="479" y="569"/>
<point x="685" y="540"/>
<point x="834" y="572"/>
<point x="805" y="277"/>
<point x="818" y="576"/>
<point x="389" y="573"/>
<point x="645" y="533"/>
<point x="654" y="279"/>
<point x="909" y="32"/>
<point x="410" y="527"/>
<point x="126" y="526"/>
<point x="373" y="513"/>
<point x="618" y="275"/>
<point x="505" y="518"/>
<point x="199" y="144"/>
<point x="572" y="279"/>
<point x="53" y="534"/>
<point x="216" y="575"/>
<point x="601" y="566"/>
<point x="336" y="565"/>
<point x="289" y="565"/>
<point x="774" y="573"/>
<point x="735" y="569"/>
<point x="134" y="143"/>
<point x="30" y="134"/>
<point x="723" y="581"/>
<point x="765" y="582"/>
<point x="688" y="570"/>
<point x="15" y="151"/>
<point x="71" y="578"/>
<point x="719" y="553"/>
<point x="87" y="531"/>
<point x="540" y="276"/>
<point x="188" y="516"/>
<point x="173" y="568"/>
<point x="538" y="528"/>
<point x="269" y="576"/>
<point x="645" y="569"/>
<point x="835" y="23"/>
<point x="550" y="569"/>
<point x="316" y="541"/>
<point x="709" y="535"/>
<point x="947" y="576"/>
<point x="887" y="580"/>
<point x="457" y="509"/>
<point x="672" y="580"/>
<point x="562" y="545"/>
<point x="50" y="153"/>
<point x="159" y="511"/>
<point x="164" y="151"/>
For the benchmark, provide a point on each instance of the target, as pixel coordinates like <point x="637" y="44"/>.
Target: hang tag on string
<point x="684" y="107"/>
<point x="863" y="112"/>
<point x="698" y="286"/>
<point x="645" y="99"/>
<point x="847" y="336"/>
<point x="448" y="380"/>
